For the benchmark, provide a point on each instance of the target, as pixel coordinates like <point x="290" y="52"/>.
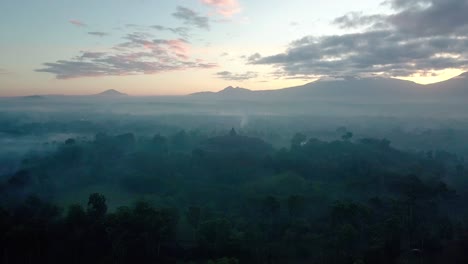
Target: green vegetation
<point x="193" y="198"/>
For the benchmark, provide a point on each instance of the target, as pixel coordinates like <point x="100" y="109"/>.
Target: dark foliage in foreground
<point x="235" y="199"/>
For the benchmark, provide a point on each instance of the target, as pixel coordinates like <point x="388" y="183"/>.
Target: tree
<point x="298" y="139"/>
<point x="76" y="215"/>
<point x="20" y="178"/>
<point x="70" y="141"/>
<point x="216" y="234"/>
<point x="179" y="140"/>
<point x="97" y="207"/>
<point x="233" y="132"/>
<point x="193" y="217"/>
<point x="160" y="144"/>
<point x="271" y="206"/>
<point x="347" y="136"/>
<point x="224" y="261"/>
<point x="296" y="205"/>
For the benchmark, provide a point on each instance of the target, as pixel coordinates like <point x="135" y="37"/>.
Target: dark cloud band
<point x="421" y="36"/>
<point x="230" y="76"/>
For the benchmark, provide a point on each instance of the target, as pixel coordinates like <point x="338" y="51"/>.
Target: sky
<point x="176" y="47"/>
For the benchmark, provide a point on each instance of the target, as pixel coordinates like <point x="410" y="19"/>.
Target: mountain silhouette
<point x="454" y="87"/>
<point x="226" y="92"/>
<point x="377" y="88"/>
<point x="111" y="92"/>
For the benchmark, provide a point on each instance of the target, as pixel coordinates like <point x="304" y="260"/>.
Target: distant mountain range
<point x="457" y="86"/>
<point x="228" y="91"/>
<point x="107" y="93"/>
<point x="33" y="97"/>
<point x="368" y="89"/>
<point x="365" y="88"/>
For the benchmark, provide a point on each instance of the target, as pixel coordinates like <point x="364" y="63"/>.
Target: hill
<point x="33" y="97"/>
<point x="378" y="88"/>
<point x="111" y="92"/>
<point x="454" y="87"/>
<point x="351" y="88"/>
<point x="228" y="92"/>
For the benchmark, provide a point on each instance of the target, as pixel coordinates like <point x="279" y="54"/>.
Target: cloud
<point x="254" y="57"/>
<point x="134" y="26"/>
<point x="92" y="55"/>
<point x="226" y="8"/>
<point x="436" y="17"/>
<point x="140" y="53"/>
<point x="420" y="36"/>
<point x="190" y="17"/>
<point x="357" y="19"/>
<point x="408" y="4"/>
<point x="77" y="23"/>
<point x="3" y="71"/>
<point x="183" y="32"/>
<point x="179" y="47"/>
<point x="229" y="76"/>
<point x="98" y="34"/>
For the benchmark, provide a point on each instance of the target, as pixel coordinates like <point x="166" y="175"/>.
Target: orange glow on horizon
<point x="434" y="77"/>
<point x="170" y="83"/>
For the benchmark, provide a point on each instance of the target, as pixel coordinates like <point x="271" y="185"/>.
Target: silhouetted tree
<point x="296" y="205"/>
<point x="347" y="136"/>
<point x="193" y="217"/>
<point x="271" y="206"/>
<point x="233" y="132"/>
<point x="298" y="139"/>
<point x="97" y="207"/>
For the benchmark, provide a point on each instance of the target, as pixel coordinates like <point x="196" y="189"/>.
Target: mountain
<point x="231" y="91"/>
<point x="34" y="97"/>
<point x="228" y="92"/>
<point x="454" y="87"/>
<point x="383" y="89"/>
<point x="351" y="88"/>
<point x="326" y="89"/>
<point x="111" y="92"/>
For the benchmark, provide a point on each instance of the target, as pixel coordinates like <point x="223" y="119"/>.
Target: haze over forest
<point x="234" y="131"/>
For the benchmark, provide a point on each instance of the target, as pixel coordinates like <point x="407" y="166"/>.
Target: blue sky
<point x="156" y="47"/>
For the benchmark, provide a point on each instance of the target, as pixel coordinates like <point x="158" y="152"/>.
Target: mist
<point x="271" y="132"/>
<point x="238" y="174"/>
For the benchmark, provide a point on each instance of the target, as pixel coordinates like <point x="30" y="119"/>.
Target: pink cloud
<point x="179" y="47"/>
<point x="226" y="8"/>
<point x="77" y="23"/>
<point x="139" y="54"/>
<point x="150" y="45"/>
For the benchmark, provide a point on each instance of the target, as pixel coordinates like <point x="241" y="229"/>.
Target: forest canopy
<point x="232" y="198"/>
